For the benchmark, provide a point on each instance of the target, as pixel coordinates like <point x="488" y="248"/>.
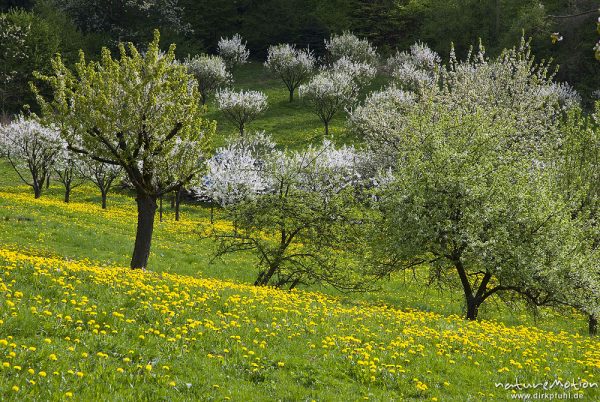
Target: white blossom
<point x="565" y="94"/>
<point x="292" y="65"/>
<point x="210" y="72"/>
<point x="238" y="171"/>
<point x="361" y="72"/>
<point x="380" y="120"/>
<point x="512" y="87"/>
<point x="352" y="47"/>
<point x="326" y="169"/>
<point x="14" y="47"/>
<point x="328" y="93"/>
<point x="241" y="107"/>
<point x="233" y="51"/>
<point x="28" y="145"/>
<point x="415" y="68"/>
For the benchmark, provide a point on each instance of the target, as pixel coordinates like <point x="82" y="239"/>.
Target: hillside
<point x="78" y="330"/>
<point x="175" y="333"/>
<point x="75" y="323"/>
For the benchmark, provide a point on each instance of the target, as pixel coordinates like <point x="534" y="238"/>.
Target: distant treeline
<point x="197" y="25"/>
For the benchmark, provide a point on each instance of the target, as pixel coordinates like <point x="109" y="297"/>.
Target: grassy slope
<point x="293" y="125"/>
<point x="82" y="230"/>
<point x="76" y="329"/>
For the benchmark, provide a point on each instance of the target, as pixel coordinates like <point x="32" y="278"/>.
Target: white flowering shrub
<point x="241" y="107"/>
<point x="512" y="86"/>
<point x="380" y="120"/>
<point x="328" y="93"/>
<point x="292" y="65"/>
<point x="362" y="73"/>
<point x="67" y="168"/>
<point x="238" y="171"/>
<point x="103" y="175"/>
<point x="416" y="68"/>
<point x="325" y="169"/>
<point x="419" y="55"/>
<point x="30" y="146"/>
<point x="352" y="47"/>
<point x="562" y="92"/>
<point x="210" y="72"/>
<point x="233" y="51"/>
<point x="301" y="215"/>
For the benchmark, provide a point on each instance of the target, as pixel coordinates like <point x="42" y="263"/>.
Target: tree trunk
<point x="265" y="276"/>
<point x="160" y="209"/>
<point x="212" y="213"/>
<point x="295" y="283"/>
<point x="67" y="193"/>
<point x="177" y="203"/>
<point x="103" y="199"/>
<point x="472" y="309"/>
<point x="37" y="189"/>
<point x="326" y="129"/>
<point x="593" y="324"/>
<point x="47" y="182"/>
<point x="473" y="300"/>
<point x="146" y="206"/>
<point x="291" y="95"/>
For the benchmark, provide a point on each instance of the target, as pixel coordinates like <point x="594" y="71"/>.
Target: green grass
<point x="71" y="329"/>
<point x="82" y="230"/>
<point x="404" y="319"/>
<point x="292" y="124"/>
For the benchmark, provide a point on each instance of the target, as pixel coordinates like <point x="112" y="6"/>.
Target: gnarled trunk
<point x="67" y="192"/>
<point x="146" y="205"/>
<point x="160" y="209"/>
<point x="593" y="324"/>
<point x="37" y="189"/>
<point x="472" y="308"/>
<point x="104" y="200"/>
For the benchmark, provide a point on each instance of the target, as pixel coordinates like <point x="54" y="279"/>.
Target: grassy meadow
<point x="75" y="324"/>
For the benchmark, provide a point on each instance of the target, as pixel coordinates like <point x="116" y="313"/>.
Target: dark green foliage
<point x="29" y="45"/>
<point x="197" y="25"/>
